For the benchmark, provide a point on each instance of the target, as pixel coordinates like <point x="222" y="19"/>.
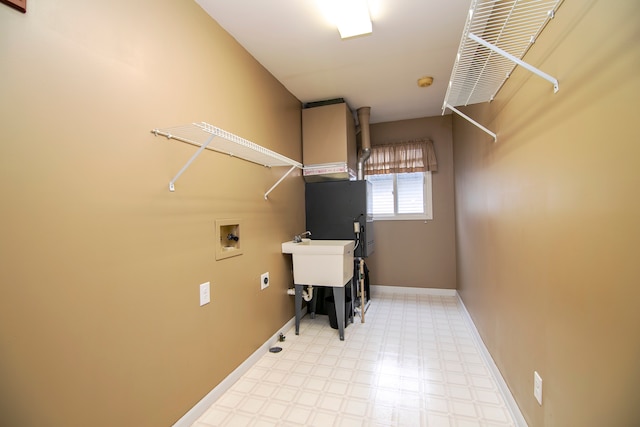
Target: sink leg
<point x="298" y="302"/>
<point x="312" y="304"/>
<point x="351" y="306"/>
<point x="338" y="297"/>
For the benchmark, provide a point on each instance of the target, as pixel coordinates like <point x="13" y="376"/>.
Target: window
<point x="401" y="196"/>
<point x="400" y="174"/>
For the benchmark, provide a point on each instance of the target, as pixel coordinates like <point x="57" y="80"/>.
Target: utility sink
<point x="321" y="262"/>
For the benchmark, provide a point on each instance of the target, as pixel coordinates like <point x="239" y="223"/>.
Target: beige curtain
<point x="406" y="156"/>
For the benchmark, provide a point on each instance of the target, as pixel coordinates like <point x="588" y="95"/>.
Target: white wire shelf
<point x="496" y="36"/>
<point x="209" y="137"/>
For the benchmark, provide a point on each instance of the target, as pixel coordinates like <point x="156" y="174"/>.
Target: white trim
<point x="403" y="217"/>
<point x="382" y="289"/>
<point x="512" y="405"/>
<point x="201" y="407"/>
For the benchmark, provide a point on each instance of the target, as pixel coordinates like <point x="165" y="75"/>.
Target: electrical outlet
<point x="264" y="280"/>
<point x="205" y="294"/>
<point x="537" y="387"/>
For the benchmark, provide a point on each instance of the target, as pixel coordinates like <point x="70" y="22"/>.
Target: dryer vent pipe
<point x="364" y="114"/>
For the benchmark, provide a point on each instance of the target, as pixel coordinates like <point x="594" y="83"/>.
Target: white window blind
<point x="410" y="193"/>
<point x="383" y="199"/>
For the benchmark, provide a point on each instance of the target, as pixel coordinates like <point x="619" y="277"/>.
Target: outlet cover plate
<point x="537" y="387"/>
<point x="205" y="294"/>
<point x="264" y="281"/>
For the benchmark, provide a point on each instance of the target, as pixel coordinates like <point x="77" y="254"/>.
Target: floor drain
<point x="275" y="349"/>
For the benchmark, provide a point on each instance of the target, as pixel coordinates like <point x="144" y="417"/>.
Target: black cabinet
<point x="332" y="208"/>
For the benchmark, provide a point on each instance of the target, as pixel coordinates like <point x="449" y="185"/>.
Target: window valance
<point x="416" y="155"/>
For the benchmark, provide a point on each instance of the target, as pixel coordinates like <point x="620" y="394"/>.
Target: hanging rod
<point x="206" y="136"/>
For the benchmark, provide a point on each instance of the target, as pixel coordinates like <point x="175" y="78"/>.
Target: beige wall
<point x="419" y="253"/>
<point x="99" y="317"/>
<point x="548" y="220"/>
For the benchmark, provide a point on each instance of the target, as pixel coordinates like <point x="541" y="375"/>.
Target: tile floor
<point x="414" y="362"/>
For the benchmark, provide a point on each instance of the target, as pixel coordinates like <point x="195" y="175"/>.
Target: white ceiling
<point x="410" y="39"/>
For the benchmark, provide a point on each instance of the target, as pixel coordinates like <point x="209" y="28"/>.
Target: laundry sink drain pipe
<point x="307" y="294"/>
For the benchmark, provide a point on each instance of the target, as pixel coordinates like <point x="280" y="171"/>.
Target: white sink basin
<point x="321" y="262"/>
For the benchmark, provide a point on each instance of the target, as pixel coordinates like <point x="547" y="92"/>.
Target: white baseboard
<point x="382" y="290"/>
<point x="502" y="385"/>
<point x="201" y="407"/>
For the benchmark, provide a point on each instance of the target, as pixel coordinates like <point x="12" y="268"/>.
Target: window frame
<point x="427" y="188"/>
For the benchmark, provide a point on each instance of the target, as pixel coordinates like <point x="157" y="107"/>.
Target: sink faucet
<point x="298" y="238"/>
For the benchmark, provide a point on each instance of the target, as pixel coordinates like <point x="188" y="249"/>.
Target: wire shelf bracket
<point x="469" y="119"/>
<point x="496" y="36"/>
<point x="206" y="136"/>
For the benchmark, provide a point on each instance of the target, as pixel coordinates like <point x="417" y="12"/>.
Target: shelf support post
<point x="518" y="61"/>
<point x="464" y="116"/>
<point x="266" y="195"/>
<point x="186" y="166"/>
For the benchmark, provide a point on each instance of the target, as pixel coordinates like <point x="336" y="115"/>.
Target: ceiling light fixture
<point x="350" y="16"/>
<point x="425" y="81"/>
